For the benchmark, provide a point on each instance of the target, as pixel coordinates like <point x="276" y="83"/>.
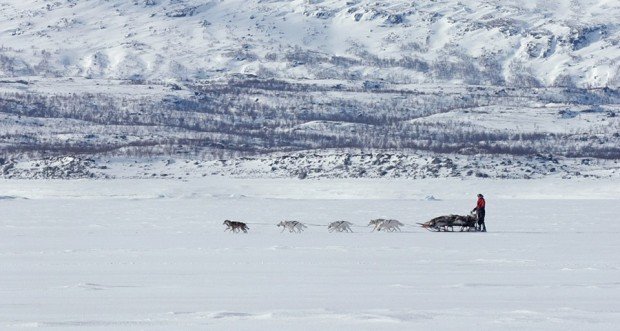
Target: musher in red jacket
<point x="480" y="213"/>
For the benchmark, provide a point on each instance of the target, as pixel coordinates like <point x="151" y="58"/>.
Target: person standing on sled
<point x="480" y="213"/>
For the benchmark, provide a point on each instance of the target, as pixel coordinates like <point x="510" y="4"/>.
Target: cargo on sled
<point x="448" y="222"/>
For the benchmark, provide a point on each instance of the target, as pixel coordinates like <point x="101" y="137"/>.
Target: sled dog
<point x="385" y="225"/>
<point x="235" y="226"/>
<point x="292" y="226"/>
<point x="340" y="226"/>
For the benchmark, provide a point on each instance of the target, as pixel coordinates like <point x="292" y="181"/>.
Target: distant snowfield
<point x="152" y="254"/>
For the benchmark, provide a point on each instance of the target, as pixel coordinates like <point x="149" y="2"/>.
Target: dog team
<point x="474" y="222"/>
<point x="380" y="224"/>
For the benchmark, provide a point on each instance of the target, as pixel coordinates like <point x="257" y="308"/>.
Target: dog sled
<point x="447" y="223"/>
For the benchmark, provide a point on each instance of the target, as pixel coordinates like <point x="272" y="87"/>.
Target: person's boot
<point x="484" y="228"/>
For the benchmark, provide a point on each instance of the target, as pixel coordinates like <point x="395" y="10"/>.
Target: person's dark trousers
<point x="481" y="226"/>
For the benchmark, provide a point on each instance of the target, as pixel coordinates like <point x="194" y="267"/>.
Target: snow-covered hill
<point x="476" y="82"/>
<point x="497" y="42"/>
<point x="318" y="164"/>
<point x="217" y="120"/>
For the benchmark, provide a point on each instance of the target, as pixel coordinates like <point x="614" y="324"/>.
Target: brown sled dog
<point x="235" y="227"/>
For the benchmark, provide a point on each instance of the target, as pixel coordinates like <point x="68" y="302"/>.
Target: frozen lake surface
<point x="152" y="254"/>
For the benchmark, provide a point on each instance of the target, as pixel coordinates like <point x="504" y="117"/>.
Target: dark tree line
<point x="250" y="116"/>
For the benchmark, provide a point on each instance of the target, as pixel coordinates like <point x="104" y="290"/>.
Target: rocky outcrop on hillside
<point x="318" y="165"/>
<point x="66" y="167"/>
<point x="414" y="166"/>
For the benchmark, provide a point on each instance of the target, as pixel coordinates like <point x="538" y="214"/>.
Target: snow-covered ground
<point x="152" y="254"/>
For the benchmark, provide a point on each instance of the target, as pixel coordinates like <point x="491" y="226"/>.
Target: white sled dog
<point x="390" y="226"/>
<point x="375" y="223"/>
<point x="340" y="226"/>
<point x="292" y="226"/>
<point x="385" y="225"/>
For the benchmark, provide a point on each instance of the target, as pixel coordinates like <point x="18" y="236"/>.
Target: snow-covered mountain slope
<point x="497" y="42"/>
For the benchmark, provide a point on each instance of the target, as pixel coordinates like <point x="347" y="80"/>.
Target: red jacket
<point x="481" y="203"/>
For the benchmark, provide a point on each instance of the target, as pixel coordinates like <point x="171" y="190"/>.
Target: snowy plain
<point x="152" y="255"/>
